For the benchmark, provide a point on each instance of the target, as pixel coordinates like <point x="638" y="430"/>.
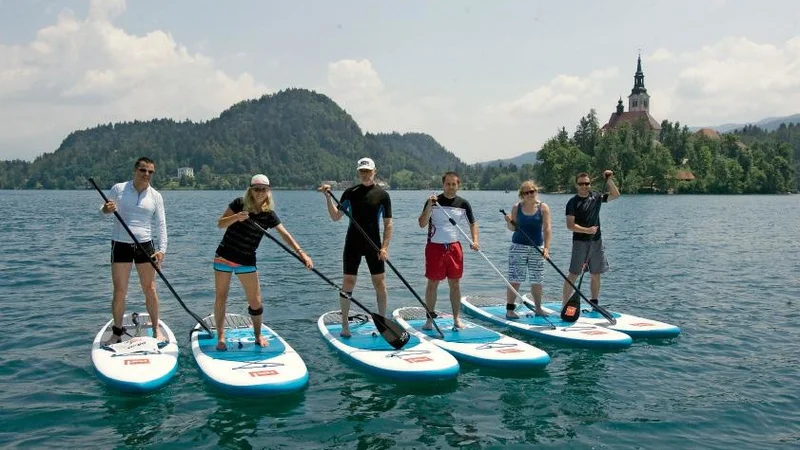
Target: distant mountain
<point x="768" y="124"/>
<point x="297" y="137"/>
<point x="525" y="158"/>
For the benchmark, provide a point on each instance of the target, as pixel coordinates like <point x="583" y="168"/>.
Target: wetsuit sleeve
<point x="386" y="204"/>
<point x="468" y="208"/>
<point x="161" y="218"/>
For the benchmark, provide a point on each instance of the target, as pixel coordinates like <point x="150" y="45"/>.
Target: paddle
<point x="390" y="330"/>
<point x="428" y="313"/>
<point x="152" y="262"/>
<point x="453" y="222"/>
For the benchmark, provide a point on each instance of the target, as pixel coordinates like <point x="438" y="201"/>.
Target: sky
<point x="486" y="79"/>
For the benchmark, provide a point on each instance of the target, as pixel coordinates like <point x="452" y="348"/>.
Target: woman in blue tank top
<point x="530" y="222"/>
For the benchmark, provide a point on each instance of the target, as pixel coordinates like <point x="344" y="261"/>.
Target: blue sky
<point x="487" y="79"/>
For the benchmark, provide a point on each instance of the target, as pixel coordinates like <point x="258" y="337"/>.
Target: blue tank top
<point x="531" y="225"/>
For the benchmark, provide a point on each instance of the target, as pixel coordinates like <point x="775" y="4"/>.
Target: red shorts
<point x="444" y="261"/>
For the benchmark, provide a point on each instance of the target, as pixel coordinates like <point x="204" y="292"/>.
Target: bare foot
<point x="261" y="341"/>
<point x="221" y="345"/>
<point x="345" y="331"/>
<point x="542" y="313"/>
<point x="511" y="315"/>
<point x="159" y="335"/>
<point x="457" y="323"/>
<point x="428" y="325"/>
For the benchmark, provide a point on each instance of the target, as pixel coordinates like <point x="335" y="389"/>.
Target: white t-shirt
<point x="138" y="210"/>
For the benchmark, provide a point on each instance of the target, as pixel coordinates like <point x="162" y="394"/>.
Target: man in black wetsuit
<point x="367" y="203"/>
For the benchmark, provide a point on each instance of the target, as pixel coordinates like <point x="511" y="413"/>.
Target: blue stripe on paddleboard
<point x="366" y="337"/>
<point x="473" y="334"/>
<point x="249" y="351"/>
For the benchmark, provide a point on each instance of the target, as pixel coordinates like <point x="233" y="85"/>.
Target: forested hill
<point x="297" y="137"/>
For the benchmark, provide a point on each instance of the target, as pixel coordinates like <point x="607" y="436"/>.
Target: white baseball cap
<point x="366" y="164"/>
<point x="259" y="179"/>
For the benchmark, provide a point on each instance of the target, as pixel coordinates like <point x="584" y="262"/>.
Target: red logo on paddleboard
<point x="417" y="359"/>
<point x="133" y="362"/>
<point x="262" y="373"/>
<point x="509" y="350"/>
<point x="570" y="311"/>
<point x="642" y="324"/>
<point x="593" y="332"/>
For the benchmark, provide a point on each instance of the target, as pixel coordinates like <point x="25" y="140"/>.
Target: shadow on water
<point x="138" y="419"/>
<point x="238" y="422"/>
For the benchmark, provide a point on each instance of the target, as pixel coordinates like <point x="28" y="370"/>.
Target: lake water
<point x="723" y="268"/>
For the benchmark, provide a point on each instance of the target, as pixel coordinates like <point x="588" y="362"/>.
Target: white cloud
<point x="736" y="79"/>
<point x="77" y="73"/>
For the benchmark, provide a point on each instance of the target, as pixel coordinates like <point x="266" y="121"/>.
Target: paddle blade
<point x="394" y="334"/>
<point x="571" y="310"/>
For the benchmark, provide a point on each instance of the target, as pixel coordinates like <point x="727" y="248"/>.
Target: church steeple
<point x="639" y="100"/>
<point x="620" y="107"/>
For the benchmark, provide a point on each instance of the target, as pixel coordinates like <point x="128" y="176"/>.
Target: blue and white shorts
<point x="525" y="262"/>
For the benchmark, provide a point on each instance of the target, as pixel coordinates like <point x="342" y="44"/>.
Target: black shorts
<point x="122" y="252"/>
<point x="351" y="258"/>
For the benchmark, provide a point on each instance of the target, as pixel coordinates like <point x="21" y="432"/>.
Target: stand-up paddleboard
<point x="418" y="360"/>
<point x="474" y="343"/>
<point x="245" y="367"/>
<point x="579" y="334"/>
<point x="633" y="326"/>
<point x="140" y="363"/>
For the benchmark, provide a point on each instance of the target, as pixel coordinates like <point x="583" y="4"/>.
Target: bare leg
<point x="536" y="293"/>
<point x="567" y="291"/>
<point x="511" y="299"/>
<point x="430" y="301"/>
<point x="595" y="286"/>
<point x="348" y="284"/>
<point x="252" y="289"/>
<point x="381" y="293"/>
<point x="120" y="275"/>
<point x="147" y="279"/>
<point x="222" y="283"/>
<point x="455" y="301"/>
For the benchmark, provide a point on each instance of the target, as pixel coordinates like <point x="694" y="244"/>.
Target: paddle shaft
<point x="152" y="263"/>
<point x="428" y="313"/>
<point x="505" y="280"/>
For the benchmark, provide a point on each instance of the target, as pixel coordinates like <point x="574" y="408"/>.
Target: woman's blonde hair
<point x="527" y="185"/>
<point x="250" y="204"/>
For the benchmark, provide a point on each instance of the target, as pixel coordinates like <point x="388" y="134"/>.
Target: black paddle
<point x="508" y="283"/>
<point x="390" y="330"/>
<point x="429" y="314"/>
<point x="152" y="262"/>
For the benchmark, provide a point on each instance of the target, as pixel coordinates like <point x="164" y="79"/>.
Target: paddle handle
<point x="152" y="263"/>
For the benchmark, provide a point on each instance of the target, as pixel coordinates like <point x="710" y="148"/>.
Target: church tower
<point x="639" y="100"/>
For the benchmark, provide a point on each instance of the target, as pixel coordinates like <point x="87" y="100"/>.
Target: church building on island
<point x="638" y="105"/>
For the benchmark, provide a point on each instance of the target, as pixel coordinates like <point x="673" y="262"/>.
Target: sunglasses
<point x="528" y="192"/>
<point x="259" y="188"/>
<point x="584" y="183"/>
<point x="143" y="170"/>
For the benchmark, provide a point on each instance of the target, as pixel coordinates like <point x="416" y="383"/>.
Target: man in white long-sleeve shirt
<point x="138" y="204"/>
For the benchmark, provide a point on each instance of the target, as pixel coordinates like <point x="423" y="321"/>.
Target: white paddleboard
<point x="139" y="363"/>
<point x="493" y="309"/>
<point x="418" y="360"/>
<point x="474" y="343"/>
<point x="633" y="326"/>
<point x="245" y="367"/>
